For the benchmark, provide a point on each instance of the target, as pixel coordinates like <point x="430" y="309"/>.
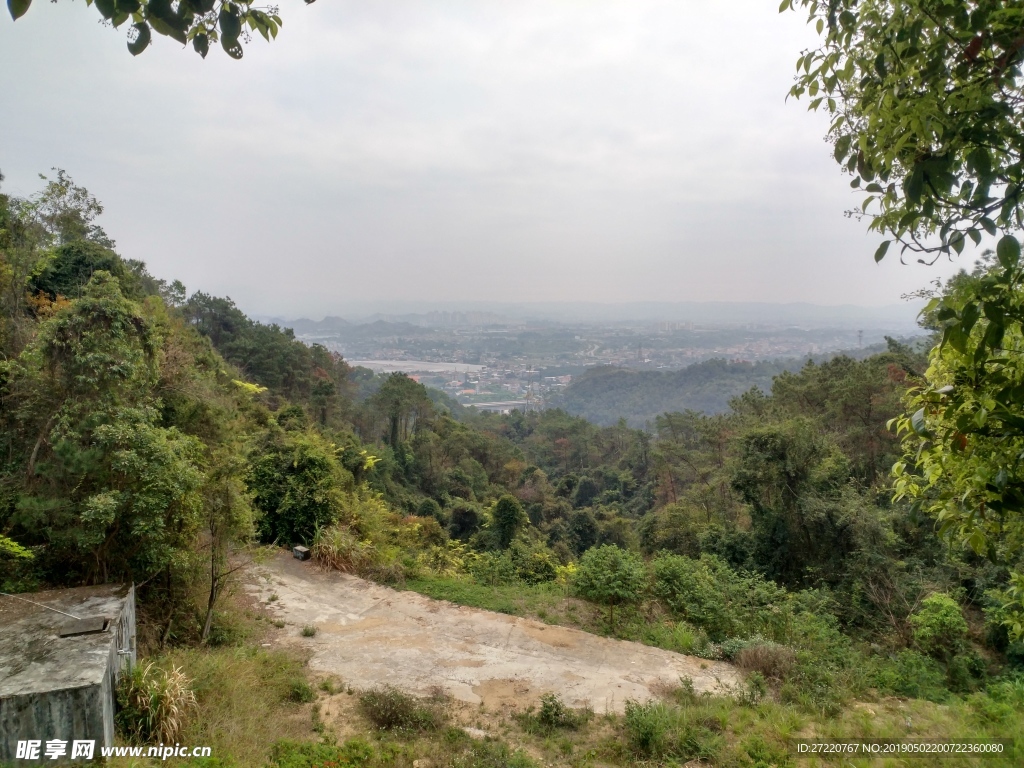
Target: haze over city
<point x="455" y="152"/>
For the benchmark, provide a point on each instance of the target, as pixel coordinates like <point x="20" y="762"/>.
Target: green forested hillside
<point x="153" y="436"/>
<point x="606" y="394"/>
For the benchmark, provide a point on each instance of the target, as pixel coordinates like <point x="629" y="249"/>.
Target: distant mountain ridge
<point x="895" y="317"/>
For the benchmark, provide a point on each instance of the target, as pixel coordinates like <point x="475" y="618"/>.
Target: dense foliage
<point x="152" y="436"/>
<point x="604" y="395"/>
<point x="925" y="99"/>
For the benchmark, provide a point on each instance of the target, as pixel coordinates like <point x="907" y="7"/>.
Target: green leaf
<point x="880" y="252"/>
<point x="230" y="26"/>
<point x="18" y="8"/>
<point x="913" y="185"/>
<point x="142" y="39"/>
<point x="969" y="317"/>
<point x="201" y="44"/>
<point x="234" y="50"/>
<point x="1008" y="251"/>
<point x="918" y="425"/>
<point x="842" y="147"/>
<point x="785" y="5"/>
<point x="107" y="8"/>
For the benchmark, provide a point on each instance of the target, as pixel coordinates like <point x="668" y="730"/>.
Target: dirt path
<point x="369" y="635"/>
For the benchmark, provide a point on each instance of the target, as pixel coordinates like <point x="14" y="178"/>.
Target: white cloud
<point x="462" y="149"/>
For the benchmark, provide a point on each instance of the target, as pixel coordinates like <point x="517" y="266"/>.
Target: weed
<point x="293" y="754"/>
<point x="301" y="692"/>
<point x="755" y="690"/>
<point x="553" y="715"/>
<point x="654" y="730"/>
<point x="390" y="709"/>
<point x="273" y="598"/>
<point x="327" y="686"/>
<point x="154" y="704"/>
<point x="278" y="623"/>
<point x="309" y="631"/>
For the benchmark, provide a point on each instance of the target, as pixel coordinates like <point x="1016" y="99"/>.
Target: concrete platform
<point x="58" y="675"/>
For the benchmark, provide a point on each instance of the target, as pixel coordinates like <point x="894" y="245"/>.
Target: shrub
<point x="965" y="672"/>
<point x="393" y="710"/>
<point x="300" y="691"/>
<point x="465" y="520"/>
<point x="492" y="569"/>
<point x="153" y="704"/>
<point x="912" y="674"/>
<point x="553" y="714"/>
<point x="939" y="627"/>
<point x="655" y="730"/>
<point x="309" y="630"/>
<point x="610" y="576"/>
<point x="430" y="508"/>
<point x="712" y="596"/>
<point x="773" y="661"/>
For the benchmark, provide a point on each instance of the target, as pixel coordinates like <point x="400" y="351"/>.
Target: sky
<point x="454" y="150"/>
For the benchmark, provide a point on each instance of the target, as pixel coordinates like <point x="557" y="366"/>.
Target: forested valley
<point x="160" y="437"/>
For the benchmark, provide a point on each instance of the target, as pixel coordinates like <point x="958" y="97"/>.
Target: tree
<point x="925" y="98"/>
<point x="228" y="518"/>
<point x="200" y="21"/>
<point x="963" y="436"/>
<point x="926" y="104"/>
<point x="67" y="212"/>
<point x="404" y="403"/>
<point x="939" y="627"/>
<point x="296" y="481"/>
<point x="610" y="576"/>
<point x="509" y="518"/>
<point x="108" y="491"/>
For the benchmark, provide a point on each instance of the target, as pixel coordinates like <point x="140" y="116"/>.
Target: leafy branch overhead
<point x="200" y="21"/>
<point x="925" y="99"/>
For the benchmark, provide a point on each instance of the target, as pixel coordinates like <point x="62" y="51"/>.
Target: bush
<point x="773" y="661"/>
<point x="465" y="520"/>
<point x="610" y="576"/>
<point x="712" y="596"/>
<point x="153" y="704"/>
<point x="553" y="715"/>
<point x="430" y="508"/>
<point x="939" y="627"/>
<point x="655" y="730"/>
<point x="965" y="672"/>
<point x="914" y="675"/>
<point x="393" y="710"/>
<point x="309" y="630"/>
<point x="300" y="691"/>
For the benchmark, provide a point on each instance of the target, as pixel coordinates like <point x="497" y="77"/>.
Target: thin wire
<point x="42" y="606"/>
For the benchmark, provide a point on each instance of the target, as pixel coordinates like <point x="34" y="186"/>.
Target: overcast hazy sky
<point x="598" y="150"/>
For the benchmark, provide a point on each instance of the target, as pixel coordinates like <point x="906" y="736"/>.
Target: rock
<point x="476" y="733"/>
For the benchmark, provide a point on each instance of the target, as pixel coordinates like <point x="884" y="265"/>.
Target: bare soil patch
<point x="370" y="635"/>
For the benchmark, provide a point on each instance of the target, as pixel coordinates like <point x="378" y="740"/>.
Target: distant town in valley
<point x="527" y="356"/>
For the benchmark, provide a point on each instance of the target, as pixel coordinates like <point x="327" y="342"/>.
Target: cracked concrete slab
<point x="369" y="634"/>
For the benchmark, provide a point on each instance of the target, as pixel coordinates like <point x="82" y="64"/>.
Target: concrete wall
<point x="78" y="712"/>
<point x="71" y="713"/>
